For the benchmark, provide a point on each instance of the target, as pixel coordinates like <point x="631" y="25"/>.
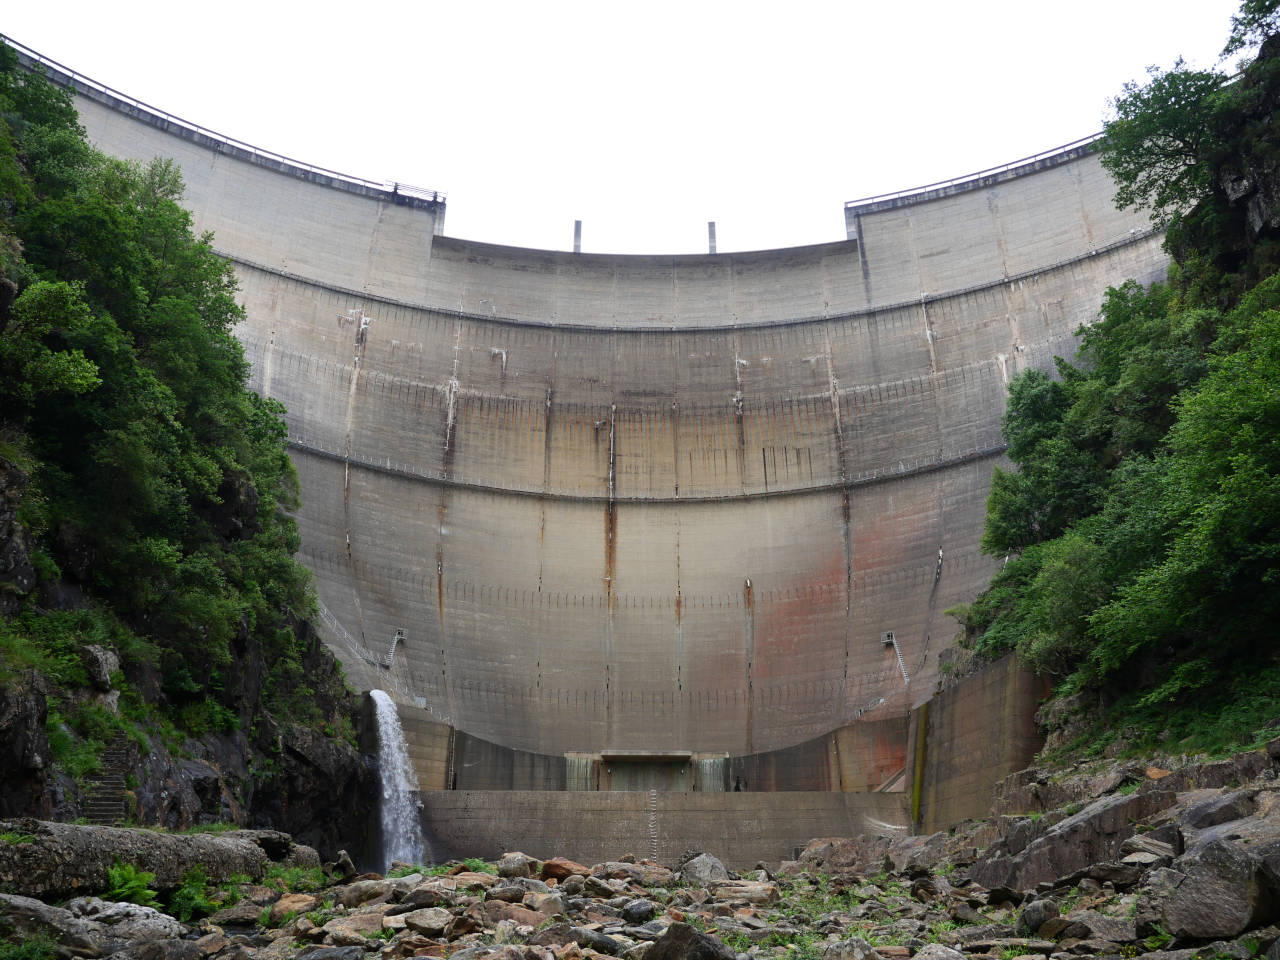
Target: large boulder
<point x="682" y="942"/>
<point x="1092" y="835"/>
<point x="704" y="870"/>
<point x="63" y="860"/>
<point x="862" y="854"/>
<point x="128" y="921"/>
<point x="1217" y="890"/>
<point x="29" y="918"/>
<point x="517" y="864"/>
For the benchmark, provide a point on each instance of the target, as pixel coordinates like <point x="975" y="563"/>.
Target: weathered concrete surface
<point x="979" y="731"/>
<point x="742" y="828"/>
<point x="648" y="503"/>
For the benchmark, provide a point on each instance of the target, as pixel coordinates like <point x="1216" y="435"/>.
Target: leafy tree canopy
<point x="1141" y="527"/>
<point x="160" y="486"/>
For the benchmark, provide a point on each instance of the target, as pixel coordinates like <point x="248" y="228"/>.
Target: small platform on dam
<point x="623" y="535"/>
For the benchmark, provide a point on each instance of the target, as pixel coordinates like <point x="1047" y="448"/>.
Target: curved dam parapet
<point x="639" y="506"/>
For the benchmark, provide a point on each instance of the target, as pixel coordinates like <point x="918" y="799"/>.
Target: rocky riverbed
<point x="1127" y="860"/>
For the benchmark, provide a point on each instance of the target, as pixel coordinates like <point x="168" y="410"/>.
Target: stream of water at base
<point x="402" y="837"/>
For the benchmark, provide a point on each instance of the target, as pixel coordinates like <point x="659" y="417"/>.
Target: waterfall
<point x="402" y="837"/>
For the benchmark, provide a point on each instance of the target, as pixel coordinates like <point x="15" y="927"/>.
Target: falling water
<point x="401" y="829"/>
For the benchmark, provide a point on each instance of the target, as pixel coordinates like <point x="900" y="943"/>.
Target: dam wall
<point x="566" y="504"/>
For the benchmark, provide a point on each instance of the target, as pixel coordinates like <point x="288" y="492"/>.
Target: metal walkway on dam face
<point x="570" y="504"/>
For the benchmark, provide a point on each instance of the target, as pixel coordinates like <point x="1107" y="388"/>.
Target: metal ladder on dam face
<point x="390" y="655"/>
<point x="888" y="638"/>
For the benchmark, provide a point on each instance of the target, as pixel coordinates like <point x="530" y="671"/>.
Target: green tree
<point x="1160" y="144"/>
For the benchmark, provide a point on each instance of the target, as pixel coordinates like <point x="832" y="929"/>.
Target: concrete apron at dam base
<point x="588" y="517"/>
<point x="591" y="827"/>
<point x="950" y="753"/>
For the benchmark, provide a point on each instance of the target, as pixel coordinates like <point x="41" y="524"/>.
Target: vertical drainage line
<point x="361" y="330"/>
<point x="610" y="567"/>
<point x="846" y="531"/>
<point x="749" y="628"/>
<point x="918" y="767"/>
<point x="446" y="470"/>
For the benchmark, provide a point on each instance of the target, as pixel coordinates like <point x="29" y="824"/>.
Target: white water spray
<point x="402" y="837"/>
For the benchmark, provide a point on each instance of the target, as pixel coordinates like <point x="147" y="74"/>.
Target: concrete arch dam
<point x="584" y="511"/>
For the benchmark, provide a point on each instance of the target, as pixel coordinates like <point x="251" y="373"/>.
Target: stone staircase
<point x="104" y="794"/>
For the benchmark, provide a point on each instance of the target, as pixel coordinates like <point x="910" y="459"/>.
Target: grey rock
<point x="517" y="864"/>
<point x="1001" y="894"/>
<point x="1143" y="859"/>
<point x="430" y="893"/>
<point x="127" y="920"/>
<point x="99" y="663"/>
<point x="1071" y="845"/>
<point x="529" y="884"/>
<point x="1119" y="874"/>
<point x="431" y="921"/>
<point x="854" y="948"/>
<point x="1268" y="855"/>
<point x="28" y="918"/>
<point x="1101" y="927"/>
<point x="596" y="887"/>
<point x="333" y="953"/>
<point x="704" y="869"/>
<point x="682" y="942"/>
<point x="362" y="891"/>
<point x="936" y="951"/>
<point x="618" y="870"/>
<point x="1034" y="915"/>
<point x="597" y="941"/>
<point x="66" y="859"/>
<point x="638" y="911"/>
<point x="506" y="892"/>
<point x="1217" y="890"/>
<point x="1145" y="843"/>
<point x="165" y="950"/>
<point x="1231" y="806"/>
<point x="243" y="914"/>
<point x="342" y="867"/>
<point x="749" y="890"/>
<point x="554" y="935"/>
<point x="549" y="903"/>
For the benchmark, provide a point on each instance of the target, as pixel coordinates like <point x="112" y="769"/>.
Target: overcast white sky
<point x="644" y="120"/>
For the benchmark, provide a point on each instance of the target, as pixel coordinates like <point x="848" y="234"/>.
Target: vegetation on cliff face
<point x="154" y="521"/>
<point x="1141" y="529"/>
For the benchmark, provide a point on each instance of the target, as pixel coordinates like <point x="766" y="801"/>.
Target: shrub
<point x="129" y="884"/>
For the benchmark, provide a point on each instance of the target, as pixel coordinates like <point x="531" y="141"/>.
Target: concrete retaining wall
<point x="740" y="828"/>
<point x="967" y="738"/>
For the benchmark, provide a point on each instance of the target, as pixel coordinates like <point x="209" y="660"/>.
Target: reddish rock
<point x="558" y="868"/>
<point x="495" y="911"/>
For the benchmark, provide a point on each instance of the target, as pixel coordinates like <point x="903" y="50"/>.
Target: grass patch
<point x="35" y="948"/>
<point x="295" y="879"/>
<point x="193" y="899"/>
<point x="409" y="869"/>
